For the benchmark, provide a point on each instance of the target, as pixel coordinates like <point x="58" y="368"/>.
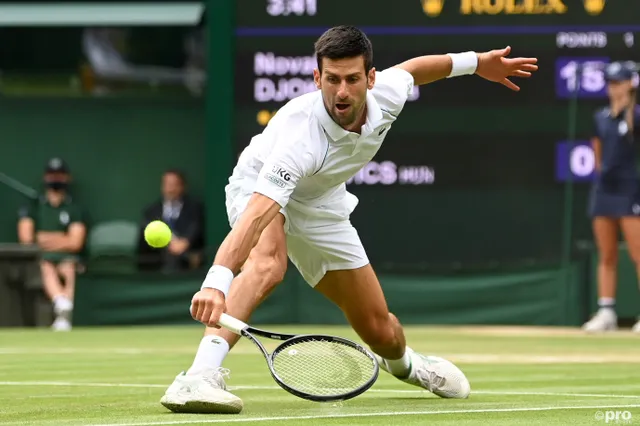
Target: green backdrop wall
<point x="116" y="149"/>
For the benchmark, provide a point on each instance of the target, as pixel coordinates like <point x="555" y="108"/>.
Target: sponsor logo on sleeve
<point x="278" y="176"/>
<point x="279" y="171"/>
<point x="275" y="180"/>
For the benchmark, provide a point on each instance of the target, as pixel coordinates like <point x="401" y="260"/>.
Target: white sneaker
<point x="61" y="324"/>
<point x="202" y="393"/>
<point x="603" y="320"/>
<point x="636" y="328"/>
<point x="437" y="375"/>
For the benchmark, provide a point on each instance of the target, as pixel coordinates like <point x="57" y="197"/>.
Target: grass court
<point x="519" y="376"/>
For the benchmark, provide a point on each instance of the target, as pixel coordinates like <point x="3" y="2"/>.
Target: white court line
<point x="369" y="414"/>
<point x="89" y="385"/>
<point x="475" y="358"/>
<point x="232" y="388"/>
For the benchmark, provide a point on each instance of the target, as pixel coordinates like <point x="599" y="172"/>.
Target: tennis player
<point x="615" y="195"/>
<point x="287" y="196"/>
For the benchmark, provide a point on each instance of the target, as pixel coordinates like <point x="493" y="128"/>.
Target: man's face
<point x="619" y="90"/>
<point x="344" y="85"/>
<point x="57" y="181"/>
<point x="172" y="187"/>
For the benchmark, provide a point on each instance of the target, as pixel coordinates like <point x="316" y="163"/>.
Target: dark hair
<point x="177" y="172"/>
<point x="344" y="41"/>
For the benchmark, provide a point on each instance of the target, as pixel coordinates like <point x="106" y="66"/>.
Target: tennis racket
<point x="316" y="367"/>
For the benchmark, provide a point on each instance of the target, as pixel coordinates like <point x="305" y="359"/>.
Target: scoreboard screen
<point x="457" y="132"/>
<point x="464" y="150"/>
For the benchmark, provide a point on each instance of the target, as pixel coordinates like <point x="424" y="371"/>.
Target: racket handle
<point x="232" y="324"/>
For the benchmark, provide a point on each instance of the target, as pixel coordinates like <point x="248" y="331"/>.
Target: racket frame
<point x="236" y="326"/>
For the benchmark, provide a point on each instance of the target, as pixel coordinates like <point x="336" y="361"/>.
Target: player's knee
<point x="609" y="258"/>
<point x="67" y="268"/>
<point x="380" y="331"/>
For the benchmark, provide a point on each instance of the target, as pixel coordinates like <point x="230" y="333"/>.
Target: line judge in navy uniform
<point x="615" y="197"/>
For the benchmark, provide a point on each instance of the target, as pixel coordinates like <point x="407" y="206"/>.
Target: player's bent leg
<point x="202" y="388"/>
<point x="358" y="294"/>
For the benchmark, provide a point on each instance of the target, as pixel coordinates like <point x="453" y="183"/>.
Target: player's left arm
<point x="493" y="66"/>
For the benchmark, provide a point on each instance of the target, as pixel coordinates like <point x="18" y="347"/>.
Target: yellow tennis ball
<point x="157" y="234"/>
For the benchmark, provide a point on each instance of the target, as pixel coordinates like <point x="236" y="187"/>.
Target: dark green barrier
<point x="534" y="297"/>
<point x="116" y="149"/>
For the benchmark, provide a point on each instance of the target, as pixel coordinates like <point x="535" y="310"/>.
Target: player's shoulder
<point x="394" y="74"/>
<point x="392" y="88"/>
<point x="295" y="110"/>
<point x="296" y="131"/>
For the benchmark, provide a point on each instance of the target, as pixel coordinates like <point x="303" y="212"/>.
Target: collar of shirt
<point x="374" y="115"/>
<point x="171" y="209"/>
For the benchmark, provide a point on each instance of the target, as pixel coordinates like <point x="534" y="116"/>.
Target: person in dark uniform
<point x="615" y="196"/>
<point x="55" y="223"/>
<point x="185" y="216"/>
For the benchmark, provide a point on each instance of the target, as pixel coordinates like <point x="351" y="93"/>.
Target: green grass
<point x="519" y="376"/>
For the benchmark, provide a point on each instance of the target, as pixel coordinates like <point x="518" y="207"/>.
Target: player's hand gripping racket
<point x="313" y="366"/>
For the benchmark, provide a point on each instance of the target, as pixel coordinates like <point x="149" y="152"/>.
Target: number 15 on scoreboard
<point x="586" y="75"/>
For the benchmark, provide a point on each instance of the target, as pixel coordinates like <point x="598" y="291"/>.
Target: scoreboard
<point x="471" y="169"/>
<point x="463" y="132"/>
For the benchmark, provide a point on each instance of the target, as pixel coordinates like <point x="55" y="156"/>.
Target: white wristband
<point x="464" y="63"/>
<point x="219" y="278"/>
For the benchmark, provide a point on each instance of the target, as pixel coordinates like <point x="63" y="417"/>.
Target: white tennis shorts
<point x="319" y="239"/>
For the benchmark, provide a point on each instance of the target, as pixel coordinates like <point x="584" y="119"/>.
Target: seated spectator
<point x="55" y="223"/>
<point x="185" y="217"/>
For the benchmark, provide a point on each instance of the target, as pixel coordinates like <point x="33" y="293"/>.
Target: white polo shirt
<point x="304" y="158"/>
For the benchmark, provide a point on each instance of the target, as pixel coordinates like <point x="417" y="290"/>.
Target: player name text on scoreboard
<point x="282" y="78"/>
<point x="390" y="173"/>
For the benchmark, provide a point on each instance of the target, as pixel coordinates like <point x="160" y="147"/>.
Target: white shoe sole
<point x="203" y="407"/>
<point x="596" y="329"/>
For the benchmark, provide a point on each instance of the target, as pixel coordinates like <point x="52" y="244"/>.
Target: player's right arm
<point x="209" y="303"/>
<point x="235" y="249"/>
<point x="286" y="165"/>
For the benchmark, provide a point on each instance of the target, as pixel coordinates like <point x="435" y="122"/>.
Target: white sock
<point x="62" y="303"/>
<point x="400" y="367"/>
<point x="607" y="302"/>
<point x="211" y="353"/>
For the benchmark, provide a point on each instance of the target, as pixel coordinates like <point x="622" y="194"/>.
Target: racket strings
<point x="323" y="367"/>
